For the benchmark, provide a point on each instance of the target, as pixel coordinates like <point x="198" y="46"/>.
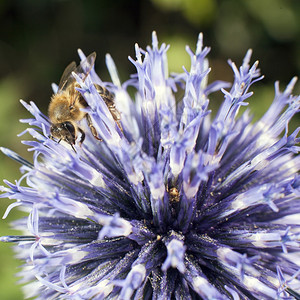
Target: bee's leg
<point x="82" y="137"/>
<point x="70" y="143"/>
<point x="73" y="148"/>
<point x="104" y="93"/>
<point x="108" y="98"/>
<point x="92" y="128"/>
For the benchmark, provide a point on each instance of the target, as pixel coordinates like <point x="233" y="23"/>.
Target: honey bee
<point x="65" y="108"/>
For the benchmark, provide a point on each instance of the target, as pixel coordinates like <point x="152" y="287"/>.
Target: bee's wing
<point x="85" y="67"/>
<point x="67" y="77"/>
<point x="82" y="70"/>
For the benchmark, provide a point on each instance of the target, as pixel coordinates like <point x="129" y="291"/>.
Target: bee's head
<point x="65" y="131"/>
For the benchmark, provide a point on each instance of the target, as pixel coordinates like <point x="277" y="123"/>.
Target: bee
<point x="65" y="108"/>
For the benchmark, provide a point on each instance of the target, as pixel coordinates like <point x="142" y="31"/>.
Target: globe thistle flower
<point x="173" y="203"/>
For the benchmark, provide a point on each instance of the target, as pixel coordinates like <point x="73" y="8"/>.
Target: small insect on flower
<point x="174" y="194"/>
<point x="65" y="108"/>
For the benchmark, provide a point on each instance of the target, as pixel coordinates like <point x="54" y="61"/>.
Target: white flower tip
<point x="54" y="87"/>
<point x="292" y="83"/>
<point x="233" y="293"/>
<point x="80" y="53"/>
<point x="114" y="226"/>
<point x="4" y="150"/>
<point x="154" y="39"/>
<point x="199" y="43"/>
<point x="175" y="257"/>
<point x="199" y="281"/>
<point x="248" y="55"/>
<point x="112" y="70"/>
<point x="140" y="268"/>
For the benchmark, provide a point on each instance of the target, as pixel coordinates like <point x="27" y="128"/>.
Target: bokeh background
<point x="39" y="38"/>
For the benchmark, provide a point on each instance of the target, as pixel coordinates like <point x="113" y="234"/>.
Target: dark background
<point x="39" y="38"/>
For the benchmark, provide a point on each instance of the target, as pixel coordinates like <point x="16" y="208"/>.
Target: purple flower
<point x="175" y="204"/>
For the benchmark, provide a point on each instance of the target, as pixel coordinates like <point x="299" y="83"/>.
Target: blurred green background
<point x="39" y="38"/>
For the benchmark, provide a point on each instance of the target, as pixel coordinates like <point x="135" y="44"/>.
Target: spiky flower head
<point x="175" y="204"/>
